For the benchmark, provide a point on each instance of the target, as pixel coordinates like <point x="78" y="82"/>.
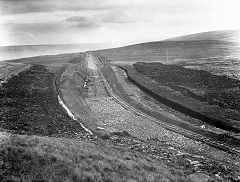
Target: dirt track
<point x="96" y="88"/>
<point x="102" y="112"/>
<point x="115" y="116"/>
<point x="169" y="117"/>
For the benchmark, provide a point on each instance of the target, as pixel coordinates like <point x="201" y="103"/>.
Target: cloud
<point x="35" y="28"/>
<point x="82" y="22"/>
<point x="141" y="7"/>
<point x="25" y="6"/>
<point x="113" y="20"/>
<point x="119" y="17"/>
<point x="36" y="6"/>
<point x="77" y="19"/>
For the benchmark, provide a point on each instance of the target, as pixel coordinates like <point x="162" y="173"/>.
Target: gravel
<point x="113" y="117"/>
<point x="151" y="138"/>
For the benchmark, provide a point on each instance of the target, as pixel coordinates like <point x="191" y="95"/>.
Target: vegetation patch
<point x="29" y="105"/>
<point x="216" y="91"/>
<point x="199" y="84"/>
<point x="32" y="158"/>
<point x="211" y="114"/>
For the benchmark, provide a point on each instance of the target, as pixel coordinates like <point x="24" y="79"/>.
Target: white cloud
<point x="113" y="20"/>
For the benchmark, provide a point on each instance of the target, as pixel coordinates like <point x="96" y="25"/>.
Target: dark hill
<point x="223" y="35"/>
<point x="217" y="52"/>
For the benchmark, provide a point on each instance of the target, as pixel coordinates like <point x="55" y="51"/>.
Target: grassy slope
<point x="30" y="158"/>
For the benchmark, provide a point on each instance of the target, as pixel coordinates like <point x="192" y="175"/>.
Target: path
<point x="96" y="88"/>
<point x="113" y="116"/>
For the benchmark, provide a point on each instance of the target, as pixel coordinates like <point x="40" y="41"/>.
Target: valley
<point x="97" y="116"/>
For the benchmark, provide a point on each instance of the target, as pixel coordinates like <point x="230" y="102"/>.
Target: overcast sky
<point x="125" y="21"/>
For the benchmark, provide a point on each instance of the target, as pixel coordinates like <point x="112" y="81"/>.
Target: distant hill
<point x="200" y="45"/>
<point x="223" y="35"/>
<point x="217" y="52"/>
<point x="21" y="51"/>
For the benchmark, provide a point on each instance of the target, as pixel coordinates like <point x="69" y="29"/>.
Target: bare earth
<point x="112" y="116"/>
<point x="92" y="103"/>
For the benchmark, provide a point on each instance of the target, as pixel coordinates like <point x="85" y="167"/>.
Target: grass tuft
<point x="32" y="158"/>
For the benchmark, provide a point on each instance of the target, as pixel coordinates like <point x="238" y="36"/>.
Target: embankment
<point x="110" y="76"/>
<point x="177" y="101"/>
<point x="29" y="105"/>
<point x="72" y="90"/>
<point x="116" y="86"/>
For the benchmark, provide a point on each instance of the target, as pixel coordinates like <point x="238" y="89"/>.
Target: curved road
<point x="101" y="88"/>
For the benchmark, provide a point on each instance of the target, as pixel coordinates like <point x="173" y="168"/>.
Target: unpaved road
<point x="113" y="116"/>
<point x="184" y="124"/>
<point x="96" y="88"/>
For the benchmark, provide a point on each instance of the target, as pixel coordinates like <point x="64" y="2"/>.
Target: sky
<point x="24" y="22"/>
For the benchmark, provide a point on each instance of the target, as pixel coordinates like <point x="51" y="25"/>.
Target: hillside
<point x="222" y="35"/>
<point x="61" y="121"/>
<point x="39" y="141"/>
<point x="200" y="66"/>
<point x="59" y="159"/>
<point x="22" y="51"/>
<point x="217" y="52"/>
